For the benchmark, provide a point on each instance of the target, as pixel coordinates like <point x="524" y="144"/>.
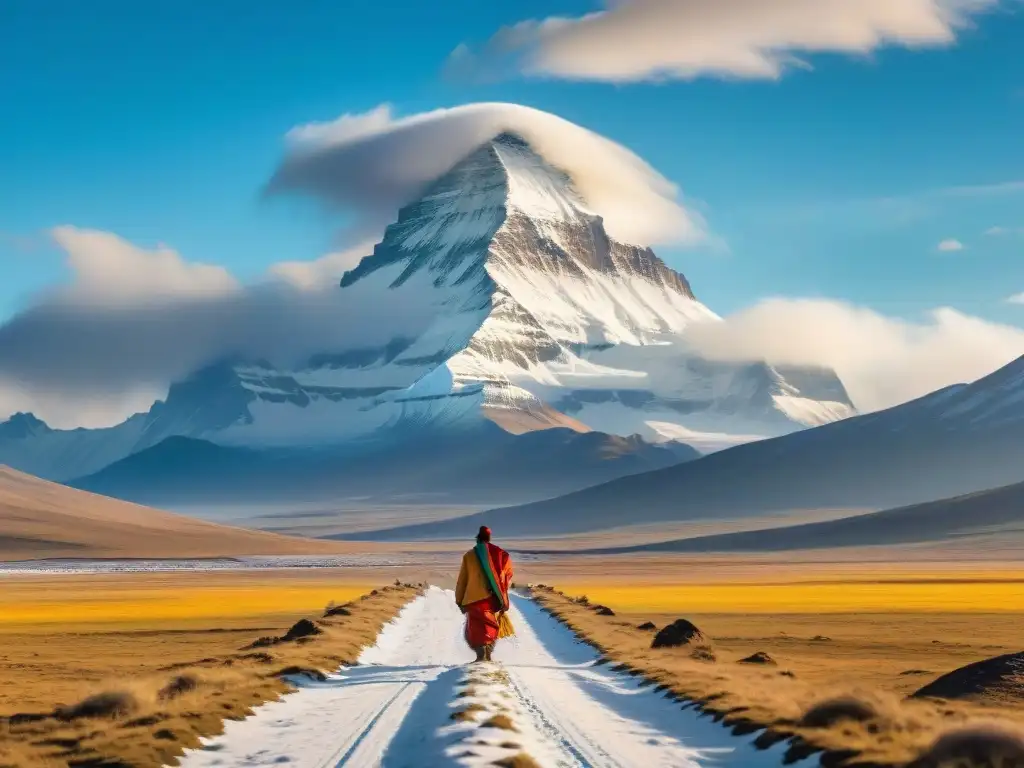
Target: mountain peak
<point x="529" y="314"/>
<point x="22" y="425"/>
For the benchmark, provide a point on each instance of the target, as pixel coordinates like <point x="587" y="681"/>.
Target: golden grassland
<point x="841" y="676"/>
<point x="918" y="593"/>
<point x="169" y="657"/>
<point x="138" y="600"/>
<point x="61" y="634"/>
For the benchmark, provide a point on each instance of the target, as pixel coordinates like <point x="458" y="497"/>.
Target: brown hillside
<point x="40" y="519"/>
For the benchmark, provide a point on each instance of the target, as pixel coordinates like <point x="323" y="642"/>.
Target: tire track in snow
<point x="549" y="728"/>
<point x="393" y="710"/>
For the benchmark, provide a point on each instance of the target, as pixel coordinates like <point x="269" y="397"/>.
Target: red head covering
<point x="484" y="534"/>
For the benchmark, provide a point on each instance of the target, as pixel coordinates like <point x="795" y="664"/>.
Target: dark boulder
<point x="679" y="632"/>
<point x="301" y="628"/>
<point x="758" y="658"/>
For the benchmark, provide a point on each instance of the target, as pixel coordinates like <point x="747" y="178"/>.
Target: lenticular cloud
<point x="369" y="165"/>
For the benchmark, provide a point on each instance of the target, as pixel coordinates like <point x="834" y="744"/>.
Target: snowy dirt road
<point x="543" y="696"/>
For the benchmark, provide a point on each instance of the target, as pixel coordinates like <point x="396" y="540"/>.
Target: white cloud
<point x="108" y="269"/>
<point x="883" y="361"/>
<point x="370" y="165"/>
<point x="1003" y="231"/>
<point x="661" y="39"/>
<point x="950" y="246"/>
<point x="348" y="127"/>
<point x="133" y="321"/>
<point x="327" y="270"/>
<point x="1017" y="298"/>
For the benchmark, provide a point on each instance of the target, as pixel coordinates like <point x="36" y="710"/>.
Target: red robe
<point x="482" y="615"/>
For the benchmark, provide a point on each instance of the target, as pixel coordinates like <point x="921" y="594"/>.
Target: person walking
<point x="482" y="594"/>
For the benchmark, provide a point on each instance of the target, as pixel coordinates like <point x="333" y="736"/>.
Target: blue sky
<point x="161" y="122"/>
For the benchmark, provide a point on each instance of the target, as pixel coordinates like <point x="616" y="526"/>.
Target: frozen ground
<point x="395" y="709"/>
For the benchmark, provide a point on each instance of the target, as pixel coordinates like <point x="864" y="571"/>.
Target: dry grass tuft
<point x="499" y="676"/>
<point x="522" y="760"/>
<point x="467" y="714"/>
<point x="178" y="685"/>
<point x="703" y="653"/>
<point x="825" y="714"/>
<point x="109" y="704"/>
<point x="979" y="746"/>
<point x="504" y="722"/>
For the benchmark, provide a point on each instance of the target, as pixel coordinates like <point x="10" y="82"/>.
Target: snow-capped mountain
<point x="537" y="319"/>
<point x="958" y="440"/>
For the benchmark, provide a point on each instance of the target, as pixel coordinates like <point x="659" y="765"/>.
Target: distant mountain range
<point x="997" y="513"/>
<point x="536" y="319"/>
<point x="486" y="465"/>
<point x="959" y="440"/>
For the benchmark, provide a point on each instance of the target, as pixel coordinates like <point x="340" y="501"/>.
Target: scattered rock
<point x="758" y="658"/>
<point x="679" y="632"/>
<point x="821" y="639"/>
<point x="648" y="626"/>
<point x="338" y="610"/>
<point x="259" y="656"/>
<point x="909" y="672"/>
<point x="301" y="628"/>
<point x="603" y="610"/>
<point x="827" y="713"/>
<point x="992" y="680"/>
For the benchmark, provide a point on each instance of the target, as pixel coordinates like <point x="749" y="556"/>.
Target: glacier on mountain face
<point x="539" y="319"/>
